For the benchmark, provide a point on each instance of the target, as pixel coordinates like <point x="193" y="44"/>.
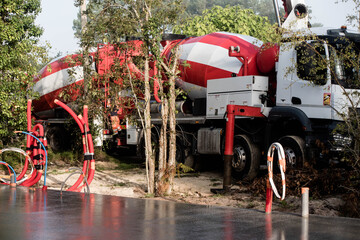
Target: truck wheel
<point x="246" y="160"/>
<point x="294" y="148"/>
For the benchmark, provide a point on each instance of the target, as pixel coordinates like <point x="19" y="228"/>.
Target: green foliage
<point x="192" y="8"/>
<point x="229" y="19"/>
<point x="19" y="58"/>
<point x="68" y="157"/>
<point x="182" y="168"/>
<point x="261" y="7"/>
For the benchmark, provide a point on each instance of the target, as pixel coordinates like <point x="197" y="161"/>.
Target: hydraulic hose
<point x="7" y="165"/>
<point x="27" y="158"/>
<point x="78" y="171"/>
<point x="28" y="139"/>
<point x="8" y="171"/>
<point x="34" y="180"/>
<point x="88" y="150"/>
<point x="282" y="165"/>
<point x="38" y="176"/>
<point x="89" y="155"/>
<point x="33" y="152"/>
<point x="40" y="135"/>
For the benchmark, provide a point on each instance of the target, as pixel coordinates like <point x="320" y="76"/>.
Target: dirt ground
<point x="110" y="179"/>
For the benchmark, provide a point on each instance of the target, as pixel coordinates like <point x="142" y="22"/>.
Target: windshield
<point x="344" y="62"/>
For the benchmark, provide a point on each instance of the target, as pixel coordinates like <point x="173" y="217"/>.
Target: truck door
<point x="310" y="87"/>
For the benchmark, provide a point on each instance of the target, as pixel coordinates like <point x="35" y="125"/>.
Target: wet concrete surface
<point x="33" y="214"/>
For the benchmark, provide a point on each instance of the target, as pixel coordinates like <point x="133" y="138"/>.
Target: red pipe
<point x="85" y="113"/>
<point x="30" y="181"/>
<point x="41" y="136"/>
<point x="80" y="123"/>
<point x="33" y="181"/>
<point x="76" y="118"/>
<point x="91" y="171"/>
<point x="156" y="90"/>
<point x="229" y="134"/>
<point x="156" y="84"/>
<point x="269" y="197"/>
<point x="28" y="140"/>
<point x="71" y="112"/>
<point x="229" y="145"/>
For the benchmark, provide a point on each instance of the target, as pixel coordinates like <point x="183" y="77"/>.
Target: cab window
<point x="311" y="62"/>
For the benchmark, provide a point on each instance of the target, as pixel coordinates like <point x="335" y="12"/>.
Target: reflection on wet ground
<point x="34" y="214"/>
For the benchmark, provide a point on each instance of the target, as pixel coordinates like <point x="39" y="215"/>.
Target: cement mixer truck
<point x="242" y="95"/>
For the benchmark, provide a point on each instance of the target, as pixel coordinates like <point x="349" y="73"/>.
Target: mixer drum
<point x="207" y="57"/>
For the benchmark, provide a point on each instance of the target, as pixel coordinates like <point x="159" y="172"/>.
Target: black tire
<point x="246" y="160"/>
<point x="57" y="139"/>
<point x="294" y="148"/>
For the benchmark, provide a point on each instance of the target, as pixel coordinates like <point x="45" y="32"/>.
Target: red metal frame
<point x="232" y="111"/>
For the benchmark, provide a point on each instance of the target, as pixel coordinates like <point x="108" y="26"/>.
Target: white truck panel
<point x="244" y="90"/>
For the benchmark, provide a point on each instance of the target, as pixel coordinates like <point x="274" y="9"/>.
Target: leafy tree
<point x="147" y="20"/>
<point x="260" y="7"/>
<point x="193" y="8"/>
<point x="19" y="58"/>
<point x="229" y="19"/>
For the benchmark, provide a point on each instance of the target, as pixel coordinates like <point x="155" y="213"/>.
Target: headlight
<point x="341" y="141"/>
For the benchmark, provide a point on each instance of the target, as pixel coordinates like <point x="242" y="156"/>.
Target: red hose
<point x="28" y="140"/>
<point x="38" y="131"/>
<point x="81" y="124"/>
<point x="34" y="152"/>
<point x="71" y="112"/>
<point x="91" y="171"/>
<point x="156" y="84"/>
<point x="40" y="135"/>
<point x="33" y="180"/>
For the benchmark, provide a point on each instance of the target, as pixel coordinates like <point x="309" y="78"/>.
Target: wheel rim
<point x="290" y="157"/>
<point x="239" y="159"/>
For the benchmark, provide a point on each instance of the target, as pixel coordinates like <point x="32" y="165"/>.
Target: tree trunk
<point x="172" y="134"/>
<point x="85" y="50"/>
<point x="162" y="183"/>
<point x="150" y="158"/>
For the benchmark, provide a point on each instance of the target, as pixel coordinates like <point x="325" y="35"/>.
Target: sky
<point x="57" y="20"/>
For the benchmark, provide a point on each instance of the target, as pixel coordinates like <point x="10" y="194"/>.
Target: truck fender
<point x="277" y="113"/>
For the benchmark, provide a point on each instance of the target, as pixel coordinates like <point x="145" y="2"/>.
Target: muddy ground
<point x="128" y="179"/>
